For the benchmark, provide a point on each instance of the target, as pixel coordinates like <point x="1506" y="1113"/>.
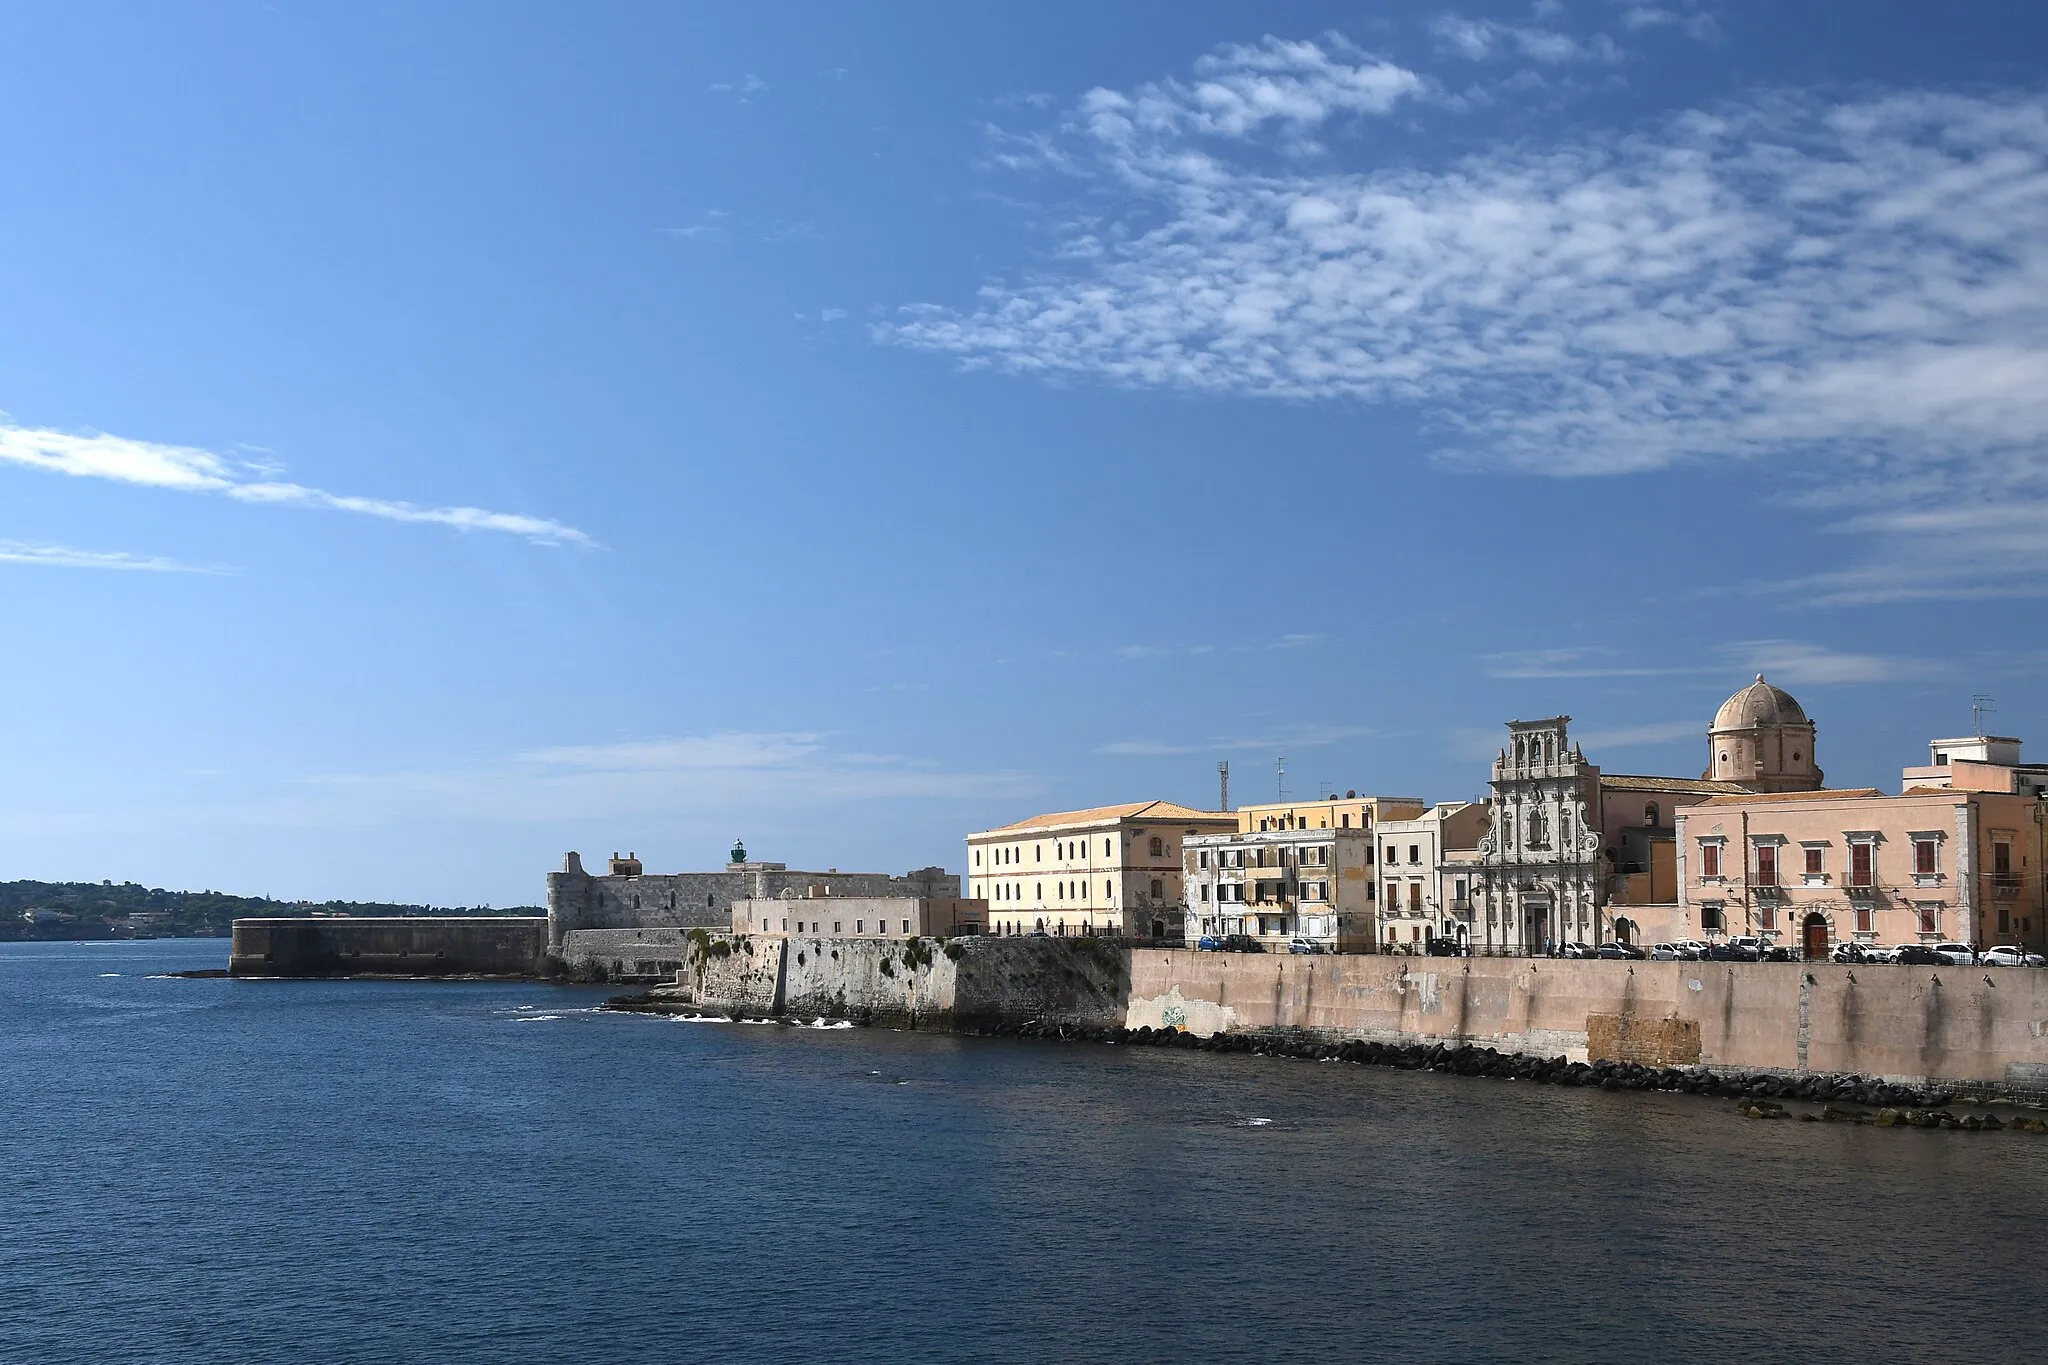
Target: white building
<point x="1422" y="894"/>
<point x="1276" y="884"/>
<point x="1107" y="870"/>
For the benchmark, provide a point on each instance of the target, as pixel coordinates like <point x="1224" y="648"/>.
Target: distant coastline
<point x="32" y="911"/>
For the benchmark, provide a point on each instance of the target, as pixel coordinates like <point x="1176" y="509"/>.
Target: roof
<point x="1164" y="811"/>
<point x="1828" y="794"/>
<point x="1626" y="782"/>
<point x="1759" y="704"/>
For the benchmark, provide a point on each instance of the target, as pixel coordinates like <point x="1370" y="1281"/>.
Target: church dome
<point x="1759" y="704"/>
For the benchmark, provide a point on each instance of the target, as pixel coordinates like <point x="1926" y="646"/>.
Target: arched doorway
<point x="1159" y="928"/>
<point x="1815" y="935"/>
<point x="1624" y="931"/>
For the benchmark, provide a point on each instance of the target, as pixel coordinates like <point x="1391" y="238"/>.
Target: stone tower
<point x="1762" y="739"/>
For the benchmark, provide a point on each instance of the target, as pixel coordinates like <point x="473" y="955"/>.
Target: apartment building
<point x="1312" y="882"/>
<point x="1105" y="870"/>
<point x="1425" y="875"/>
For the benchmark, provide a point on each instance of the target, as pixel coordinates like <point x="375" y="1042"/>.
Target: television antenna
<point x="1981" y="705"/>
<point x="1280" y="779"/>
<point x="1223" y="784"/>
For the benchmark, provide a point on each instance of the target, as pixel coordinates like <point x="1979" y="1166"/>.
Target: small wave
<point x="105" y="975"/>
<point x="700" y="1019"/>
<point x="533" y="1018"/>
<point x="759" y="1021"/>
<point x="828" y="1023"/>
<point x="1251" y="1123"/>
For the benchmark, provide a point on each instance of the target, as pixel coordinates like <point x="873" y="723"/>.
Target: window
<point x="860" y="926"/>
<point x="1650" y="814"/>
<point x="1059" y="890"/>
<point x="1930" y="919"/>
<point x="1923" y="857"/>
<point x="977" y="857"/>
<point x="1205" y="893"/>
<point x="785" y="926"/>
<point x="1204" y="859"/>
<point x="1368" y="855"/>
<point x="1710" y="860"/>
<point x="1460" y="888"/>
<point x="1158" y="889"/>
<point x="1859" y="864"/>
<point x="1710" y="917"/>
<point x="1393" y="855"/>
<point x="1863" y="917"/>
<point x="835" y="926"/>
<point x="1414" y="853"/>
<point x="1344" y="821"/>
<point x="1038" y="853"/>
<point x="1766" y="864"/>
<point x="1813" y="862"/>
<point x="1105" y="848"/>
<point x="1415" y="898"/>
<point x="1038" y="890"/>
<point x="2001" y="861"/>
<point x="1767" y="917"/>
<point x="1108" y="889"/>
<point x="1158" y="847"/>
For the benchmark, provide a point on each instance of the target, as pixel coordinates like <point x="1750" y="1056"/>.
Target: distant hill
<point x="66" y="910"/>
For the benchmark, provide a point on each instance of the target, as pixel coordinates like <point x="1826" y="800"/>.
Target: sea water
<point x="210" y="1170"/>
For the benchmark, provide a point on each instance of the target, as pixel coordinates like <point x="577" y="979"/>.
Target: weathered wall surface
<point x="924" y="983"/>
<point x="684" y="900"/>
<point x="626" y="954"/>
<point x="1909" y="1023"/>
<point x="424" y="946"/>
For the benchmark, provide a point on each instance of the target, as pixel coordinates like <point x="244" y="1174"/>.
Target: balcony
<point x="2005" y="885"/>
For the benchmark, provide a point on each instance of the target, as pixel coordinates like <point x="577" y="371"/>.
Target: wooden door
<point x="1816" y="939"/>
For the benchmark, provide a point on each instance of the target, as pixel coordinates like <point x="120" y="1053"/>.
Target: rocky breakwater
<point x="1758" y="1095"/>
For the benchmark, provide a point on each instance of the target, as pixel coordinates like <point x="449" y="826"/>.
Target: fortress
<point x="632" y="924"/>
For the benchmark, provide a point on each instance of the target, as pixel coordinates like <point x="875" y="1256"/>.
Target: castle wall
<point x="578" y="900"/>
<point x="445" y="945"/>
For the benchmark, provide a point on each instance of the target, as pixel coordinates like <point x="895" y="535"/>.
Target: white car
<point x="1689" y="949"/>
<point x="2005" y="955"/>
<point x="1957" y="954"/>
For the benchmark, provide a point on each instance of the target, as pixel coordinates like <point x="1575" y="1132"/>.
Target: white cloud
<point x="1306" y="738"/>
<point x="746" y="87"/>
<point x="1855" y="291"/>
<point x="1571" y="663"/>
<point x="1634" y="736"/>
<point x="1796" y="661"/>
<point x="1484" y="40"/>
<point x="187" y="469"/>
<point x="64" y="557"/>
<point x="726" y="749"/>
<point x="1238" y="90"/>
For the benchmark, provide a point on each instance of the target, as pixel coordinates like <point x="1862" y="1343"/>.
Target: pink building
<point x="1814" y="869"/>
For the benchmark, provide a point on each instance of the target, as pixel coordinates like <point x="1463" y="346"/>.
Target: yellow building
<point x="1349" y="811"/>
<point x="1106" y="870"/>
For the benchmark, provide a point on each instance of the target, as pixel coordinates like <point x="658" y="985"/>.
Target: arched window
<point x="1550" y="749"/>
<point x="1650" y="814"/>
<point x="1158" y="889"/>
<point x="1520" y="757"/>
<point x="1158" y="847"/>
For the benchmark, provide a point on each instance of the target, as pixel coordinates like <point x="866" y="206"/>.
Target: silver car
<point x="2005" y="955"/>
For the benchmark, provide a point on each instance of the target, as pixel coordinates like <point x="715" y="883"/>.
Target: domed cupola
<point x="1762" y="739"/>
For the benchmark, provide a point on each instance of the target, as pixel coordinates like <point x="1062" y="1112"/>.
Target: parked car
<point x="1919" y="955"/>
<point x="1729" y="950"/>
<point x="1240" y="943"/>
<point x="1880" y="952"/>
<point x="1208" y="943"/>
<point x="1577" y="950"/>
<point x="1957" y="954"/>
<point x="1666" y="952"/>
<point x="2005" y="955"/>
<point x="1619" y="952"/>
<point x="1298" y="944"/>
<point x="1780" y="953"/>
<point x="1756" y="947"/>
<point x="1690" y="949"/>
<point x="1449" y="947"/>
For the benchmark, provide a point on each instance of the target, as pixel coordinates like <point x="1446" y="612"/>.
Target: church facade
<point x="1572" y="853"/>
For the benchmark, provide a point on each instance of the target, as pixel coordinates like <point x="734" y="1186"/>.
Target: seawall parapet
<point x="420" y="946"/>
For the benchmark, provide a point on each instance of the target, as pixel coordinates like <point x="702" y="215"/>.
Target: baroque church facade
<point x="1572" y="849"/>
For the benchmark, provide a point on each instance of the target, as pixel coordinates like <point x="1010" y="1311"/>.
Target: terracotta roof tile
<point x="1627" y="782"/>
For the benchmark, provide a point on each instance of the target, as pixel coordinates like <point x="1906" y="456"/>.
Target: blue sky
<point x="440" y="436"/>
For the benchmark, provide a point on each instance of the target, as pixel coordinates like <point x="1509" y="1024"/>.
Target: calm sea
<point x="314" y="1172"/>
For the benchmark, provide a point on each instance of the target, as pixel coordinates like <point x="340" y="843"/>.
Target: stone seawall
<point x="1975" y="1024"/>
<point x="450" y="945"/>
<point x="1979" y="1025"/>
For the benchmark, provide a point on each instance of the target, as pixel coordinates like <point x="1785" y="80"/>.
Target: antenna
<point x="1223" y="782"/>
<point x="1280" y="782"/>
<point x="1980" y="707"/>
